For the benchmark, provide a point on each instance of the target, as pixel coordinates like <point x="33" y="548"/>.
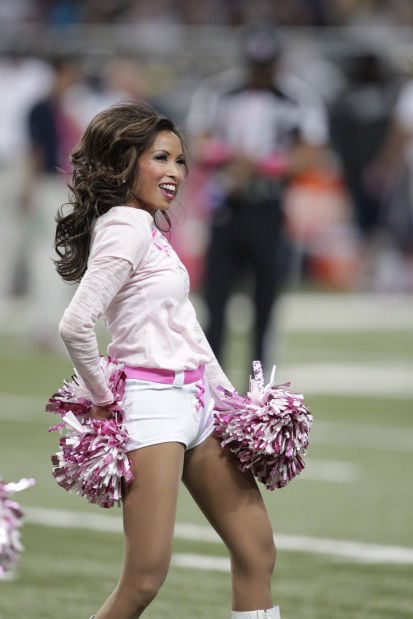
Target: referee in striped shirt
<point x="257" y="127"/>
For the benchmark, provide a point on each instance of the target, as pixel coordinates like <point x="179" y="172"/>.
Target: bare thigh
<point x="149" y="513"/>
<point x="233" y="504"/>
<point x="149" y="516"/>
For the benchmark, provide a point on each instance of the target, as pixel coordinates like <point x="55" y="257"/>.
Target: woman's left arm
<point x="101" y="282"/>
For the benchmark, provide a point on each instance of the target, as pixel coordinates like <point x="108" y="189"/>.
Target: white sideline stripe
<point x="326" y="312"/>
<point x="358" y="552"/>
<point x="201" y="562"/>
<point x="349" y="312"/>
<point x="295" y="311"/>
<point x="383" y="438"/>
<point x="395" y="380"/>
<point x="336" y="471"/>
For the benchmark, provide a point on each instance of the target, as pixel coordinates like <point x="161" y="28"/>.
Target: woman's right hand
<point x="101" y="412"/>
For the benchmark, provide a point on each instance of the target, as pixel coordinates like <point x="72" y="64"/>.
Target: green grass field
<point x="344" y="527"/>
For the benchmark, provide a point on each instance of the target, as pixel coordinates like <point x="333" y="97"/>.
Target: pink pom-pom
<point x="92" y="459"/>
<point x="11" y="519"/>
<point x="75" y="397"/>
<point x="267" y="430"/>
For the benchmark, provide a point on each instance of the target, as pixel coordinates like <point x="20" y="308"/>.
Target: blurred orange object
<point x="319" y="221"/>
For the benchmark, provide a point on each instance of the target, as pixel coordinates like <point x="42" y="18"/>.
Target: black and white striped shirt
<point x="257" y="122"/>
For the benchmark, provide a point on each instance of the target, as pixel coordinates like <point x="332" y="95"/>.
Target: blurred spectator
<point x="385" y="13"/>
<point x="391" y="176"/>
<point x="214" y="12"/>
<point x="108" y="80"/>
<point x="22" y="81"/>
<point x="107" y="11"/>
<point x="303" y="12"/>
<point x="359" y="120"/>
<point x="17" y="11"/>
<point x="52" y="132"/>
<point x="258" y="128"/>
<point x="64" y="12"/>
<point x="305" y="59"/>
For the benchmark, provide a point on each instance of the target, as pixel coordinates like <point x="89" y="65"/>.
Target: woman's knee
<point x="148" y="589"/>
<point x="142" y="589"/>
<point x="267" y="556"/>
<point x="258" y="559"/>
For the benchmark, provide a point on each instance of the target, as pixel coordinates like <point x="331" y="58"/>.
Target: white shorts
<point x="157" y="413"/>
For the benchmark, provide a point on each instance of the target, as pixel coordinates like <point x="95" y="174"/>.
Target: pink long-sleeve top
<point x="136" y="281"/>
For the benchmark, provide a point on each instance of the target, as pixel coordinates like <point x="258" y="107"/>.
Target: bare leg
<point x="149" y="516"/>
<point x="233" y="505"/>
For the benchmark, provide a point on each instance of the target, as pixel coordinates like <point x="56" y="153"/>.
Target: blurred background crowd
<point x="228" y="12"/>
<point x="345" y="197"/>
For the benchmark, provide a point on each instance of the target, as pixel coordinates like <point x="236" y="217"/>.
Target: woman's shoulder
<point x="124" y="232"/>
<point x="125" y="220"/>
<point x="126" y="215"/>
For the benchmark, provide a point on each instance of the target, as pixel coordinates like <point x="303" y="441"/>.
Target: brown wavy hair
<point x="104" y="169"/>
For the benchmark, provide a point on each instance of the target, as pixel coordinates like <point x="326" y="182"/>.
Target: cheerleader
<point x="127" y="172"/>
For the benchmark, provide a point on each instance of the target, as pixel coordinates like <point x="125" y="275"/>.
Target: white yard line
<point x="194" y="561"/>
<point x="333" y="471"/>
<point x="374" y="379"/>
<point x="345" y="312"/>
<point x="354" y="435"/>
<point x="326" y="312"/>
<point x="296" y="311"/>
<point x="356" y="552"/>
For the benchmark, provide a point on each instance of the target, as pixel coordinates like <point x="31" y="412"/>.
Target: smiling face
<point x="161" y="170"/>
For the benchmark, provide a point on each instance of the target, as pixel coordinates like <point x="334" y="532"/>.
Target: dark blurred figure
<point x="396" y="158"/>
<point x="359" y="121"/>
<point x="255" y="129"/>
<point x="390" y="175"/>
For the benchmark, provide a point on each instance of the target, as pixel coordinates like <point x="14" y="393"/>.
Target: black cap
<point x="261" y="44"/>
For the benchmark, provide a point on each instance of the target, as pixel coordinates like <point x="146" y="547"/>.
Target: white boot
<point x="271" y="613"/>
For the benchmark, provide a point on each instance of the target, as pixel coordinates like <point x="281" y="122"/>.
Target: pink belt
<point x="168" y="377"/>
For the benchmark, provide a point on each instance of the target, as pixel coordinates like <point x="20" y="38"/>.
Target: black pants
<point x="248" y="237"/>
